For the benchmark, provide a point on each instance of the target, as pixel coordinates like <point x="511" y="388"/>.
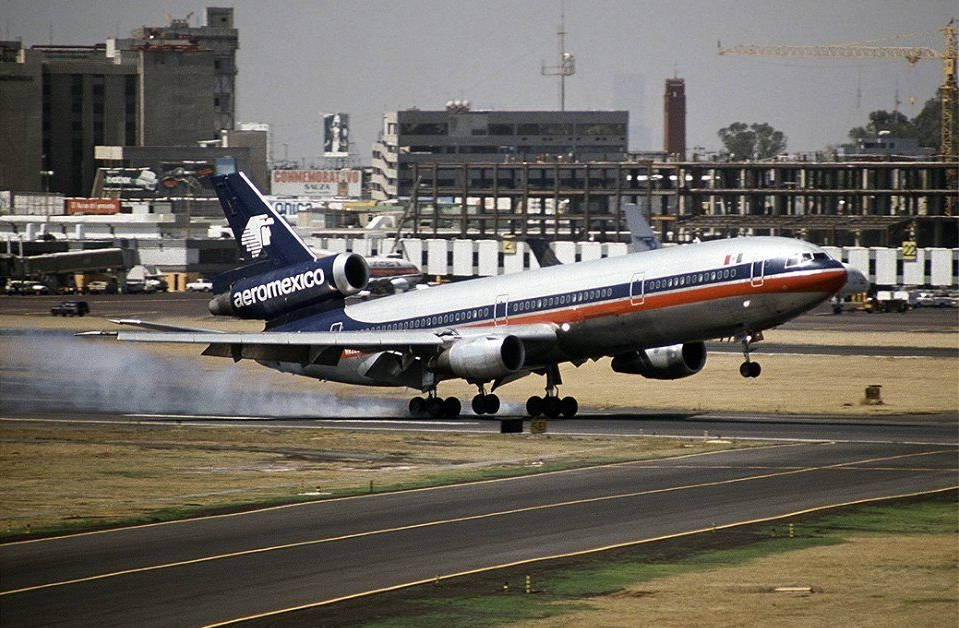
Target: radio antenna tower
<point x="567" y="63"/>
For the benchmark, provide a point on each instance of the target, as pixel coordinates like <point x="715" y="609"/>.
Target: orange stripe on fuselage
<point x="823" y="281"/>
<point x="826" y="281"/>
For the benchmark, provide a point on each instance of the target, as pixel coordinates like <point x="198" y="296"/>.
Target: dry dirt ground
<point x="868" y="580"/>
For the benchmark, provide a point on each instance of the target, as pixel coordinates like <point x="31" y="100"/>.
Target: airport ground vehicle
<point x="200" y="285"/>
<point x="70" y="308"/>
<point x="101" y="286"/>
<point x="138" y="286"/>
<point x="890" y="301"/>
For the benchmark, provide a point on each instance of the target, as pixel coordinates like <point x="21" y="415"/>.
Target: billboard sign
<point x="345" y="183"/>
<point x="93" y="206"/>
<point x="336" y="133"/>
<point x="169" y="179"/>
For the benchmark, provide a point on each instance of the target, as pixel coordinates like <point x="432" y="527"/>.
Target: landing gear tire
<point x="568" y="407"/>
<point x="552" y="407"/>
<point x="750" y="369"/>
<point x="434" y="407"/>
<point x="534" y="406"/>
<point x="485" y="404"/>
<point x="451" y="407"/>
<point x="417" y="406"/>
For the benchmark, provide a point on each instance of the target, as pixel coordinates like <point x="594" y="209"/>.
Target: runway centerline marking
<point x="489" y="515"/>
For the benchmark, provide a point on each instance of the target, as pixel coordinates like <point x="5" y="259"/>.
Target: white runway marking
<point x="216" y="417"/>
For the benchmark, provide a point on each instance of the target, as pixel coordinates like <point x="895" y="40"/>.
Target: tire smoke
<point x="45" y="372"/>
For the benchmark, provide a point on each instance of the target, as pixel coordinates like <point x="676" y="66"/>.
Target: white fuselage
<point x="605" y="307"/>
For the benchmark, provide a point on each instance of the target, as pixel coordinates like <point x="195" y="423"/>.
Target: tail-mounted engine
<point x="672" y="362"/>
<point x="280" y="291"/>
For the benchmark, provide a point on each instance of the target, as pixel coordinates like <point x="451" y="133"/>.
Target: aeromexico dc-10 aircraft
<point x="650" y="311"/>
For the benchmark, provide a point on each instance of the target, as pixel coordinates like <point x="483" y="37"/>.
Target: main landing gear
<point x="484" y="403"/>
<point x="747" y="368"/>
<point x="435" y="407"/>
<point x="552" y="406"/>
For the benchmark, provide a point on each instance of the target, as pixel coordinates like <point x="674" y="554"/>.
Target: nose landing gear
<point x="747" y="368"/>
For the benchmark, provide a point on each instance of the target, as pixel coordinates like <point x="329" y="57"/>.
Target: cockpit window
<point x="798" y="259"/>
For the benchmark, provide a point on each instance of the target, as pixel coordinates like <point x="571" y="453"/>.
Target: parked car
<point x="157" y="284"/>
<point x="70" y="308"/>
<point x="26" y="286"/>
<point x="138" y="286"/>
<point x="200" y="285"/>
<point x="945" y="299"/>
<point x="925" y="299"/>
<point x="102" y="287"/>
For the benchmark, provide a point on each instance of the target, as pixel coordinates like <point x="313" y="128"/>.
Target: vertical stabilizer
<point x="642" y="236"/>
<point x="261" y="233"/>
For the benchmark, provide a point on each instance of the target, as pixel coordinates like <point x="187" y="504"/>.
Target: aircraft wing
<point x="326" y="347"/>
<point x="134" y="322"/>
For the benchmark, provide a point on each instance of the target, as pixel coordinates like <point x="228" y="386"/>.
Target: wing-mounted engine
<point x="481" y="359"/>
<point x="277" y="292"/>
<point x="672" y="362"/>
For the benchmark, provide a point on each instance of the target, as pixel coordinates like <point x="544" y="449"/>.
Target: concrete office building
<point x="459" y="135"/>
<point x="165" y="86"/>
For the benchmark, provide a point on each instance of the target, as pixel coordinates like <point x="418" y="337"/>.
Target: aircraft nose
<point x="856" y="280"/>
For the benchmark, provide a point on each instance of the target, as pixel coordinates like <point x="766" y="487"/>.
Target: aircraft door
<point x="501" y="310"/>
<point x="637" y="289"/>
<point x="757" y="273"/>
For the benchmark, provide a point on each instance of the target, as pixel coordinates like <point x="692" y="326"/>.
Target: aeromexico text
<point x="279" y="287"/>
<point x="279" y="291"/>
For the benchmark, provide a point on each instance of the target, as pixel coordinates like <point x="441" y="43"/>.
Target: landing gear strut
<point x="484" y="403"/>
<point x="747" y="368"/>
<point x="552" y="405"/>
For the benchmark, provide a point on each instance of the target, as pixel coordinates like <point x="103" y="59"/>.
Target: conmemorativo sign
<point x="345" y="183"/>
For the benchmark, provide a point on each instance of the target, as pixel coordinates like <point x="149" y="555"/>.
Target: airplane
<point x="650" y="312"/>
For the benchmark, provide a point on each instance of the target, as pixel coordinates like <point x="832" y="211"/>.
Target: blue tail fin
<point x="262" y="234"/>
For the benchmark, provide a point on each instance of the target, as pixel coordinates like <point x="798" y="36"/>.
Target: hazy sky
<point x="300" y="58"/>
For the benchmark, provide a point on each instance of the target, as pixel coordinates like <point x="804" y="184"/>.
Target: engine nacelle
<point x="482" y="359"/>
<point x="672" y="362"/>
<point x="278" y="292"/>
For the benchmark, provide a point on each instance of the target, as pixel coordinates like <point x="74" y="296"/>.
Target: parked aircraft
<point x="651" y="312"/>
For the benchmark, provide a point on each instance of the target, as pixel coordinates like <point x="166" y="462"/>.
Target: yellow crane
<point x="948" y="99"/>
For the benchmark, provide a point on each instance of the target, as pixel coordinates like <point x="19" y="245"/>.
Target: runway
<point x="220" y="569"/>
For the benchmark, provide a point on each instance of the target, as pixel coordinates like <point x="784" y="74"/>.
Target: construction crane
<point x="948" y="99"/>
